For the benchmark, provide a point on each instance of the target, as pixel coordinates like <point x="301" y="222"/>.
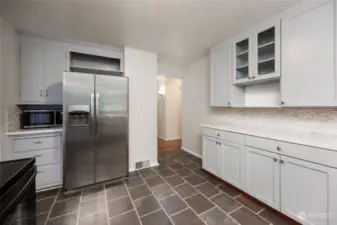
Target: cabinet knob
<point x="229" y="103"/>
<point x="253" y="77"/>
<point x="249" y="78"/>
<point x="279" y="148"/>
<point x="47" y="93"/>
<point x="282" y="102"/>
<point x="40" y="93"/>
<point x="218" y="135"/>
<point x="281" y="161"/>
<point x="275" y="160"/>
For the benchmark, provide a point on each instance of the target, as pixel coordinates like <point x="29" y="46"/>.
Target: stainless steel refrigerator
<point x="95" y="123"/>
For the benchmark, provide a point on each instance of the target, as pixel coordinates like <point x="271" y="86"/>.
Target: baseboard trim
<point x="151" y="165"/>
<point x="191" y="152"/>
<point x="169" y="139"/>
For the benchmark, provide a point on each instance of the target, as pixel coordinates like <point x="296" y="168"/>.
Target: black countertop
<point x="11" y="171"/>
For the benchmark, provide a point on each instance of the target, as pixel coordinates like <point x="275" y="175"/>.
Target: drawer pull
<point x="218" y="135"/>
<point x="37" y="142"/>
<point x="279" y="148"/>
<point x="40" y="171"/>
<point x="38" y="155"/>
<point x="281" y="161"/>
<point x="275" y="160"/>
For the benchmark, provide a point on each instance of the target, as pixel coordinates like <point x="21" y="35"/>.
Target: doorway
<point x="169" y="114"/>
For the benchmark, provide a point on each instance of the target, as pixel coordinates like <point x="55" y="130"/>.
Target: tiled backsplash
<point x="320" y="120"/>
<point x="13" y="118"/>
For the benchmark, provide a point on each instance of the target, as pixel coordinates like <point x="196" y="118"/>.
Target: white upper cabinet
<point x="308" y="55"/>
<point x="56" y="62"/>
<point x="308" y="192"/>
<point x="42" y="66"/>
<point x="242" y="58"/>
<point x="256" y="54"/>
<point x="220" y="66"/>
<point x="262" y="176"/>
<point x="32" y="72"/>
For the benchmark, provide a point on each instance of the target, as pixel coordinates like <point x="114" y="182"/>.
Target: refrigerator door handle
<point x="92" y="118"/>
<point x="97" y="115"/>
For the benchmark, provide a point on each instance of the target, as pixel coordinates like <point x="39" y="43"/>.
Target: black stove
<point x="17" y="187"/>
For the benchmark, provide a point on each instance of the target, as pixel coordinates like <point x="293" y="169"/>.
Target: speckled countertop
<point x="326" y="139"/>
<point x="34" y="131"/>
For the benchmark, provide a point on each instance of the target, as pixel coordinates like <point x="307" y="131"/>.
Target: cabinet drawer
<point x="311" y="154"/>
<point x="223" y="135"/>
<point x="36" y="143"/>
<point x="43" y="157"/>
<point x="263" y="143"/>
<point x="209" y="132"/>
<point x="50" y="175"/>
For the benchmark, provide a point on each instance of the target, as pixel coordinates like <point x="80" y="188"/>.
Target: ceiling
<point x="179" y="31"/>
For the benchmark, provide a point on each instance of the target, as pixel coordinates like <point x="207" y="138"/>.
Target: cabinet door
<point x="242" y="55"/>
<point x="308" y="56"/>
<point x="56" y="64"/>
<point x="263" y="176"/>
<point x="308" y="192"/>
<point x="267" y="51"/>
<point x="32" y="72"/>
<point x="220" y="75"/>
<point x="231" y="158"/>
<point x="210" y="149"/>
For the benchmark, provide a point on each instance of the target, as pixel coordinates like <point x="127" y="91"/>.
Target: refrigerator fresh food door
<point x="111" y="139"/>
<point x="79" y="130"/>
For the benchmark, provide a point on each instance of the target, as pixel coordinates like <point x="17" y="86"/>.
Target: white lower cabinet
<point x="210" y="151"/>
<point x="48" y="176"/>
<point x="308" y="192"/>
<point x="262" y="176"/>
<point x="231" y="163"/>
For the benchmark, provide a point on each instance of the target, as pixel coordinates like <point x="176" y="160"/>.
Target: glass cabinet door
<point x="242" y="59"/>
<point x="266" y="52"/>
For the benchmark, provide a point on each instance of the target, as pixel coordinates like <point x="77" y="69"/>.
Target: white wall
<point x="141" y="68"/>
<point x="9" y="81"/>
<point x="195" y="104"/>
<point x="169" y="69"/>
<point x="173" y="108"/>
<point x="161" y="108"/>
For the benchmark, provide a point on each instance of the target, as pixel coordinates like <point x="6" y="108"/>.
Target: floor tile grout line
<point x="188" y="205"/>
<point x="216" y="206"/>
<point x="64" y="214"/>
<point x="67" y="199"/>
<point x="79" y="209"/>
<point x="106" y="204"/>
<point x="234" y="210"/>
<point x="156" y="210"/>
<point x="115" y="199"/>
<point x="176" y="213"/>
<point x="255" y="213"/>
<point x="192" y="195"/>
<point x="166" y="196"/>
<point x="92" y="214"/>
<point x="237" y="196"/>
<point x="133" y="204"/>
<point x="208" y="210"/>
<point x="140" y="197"/>
<point x="52" y="206"/>
<point x="168" y="216"/>
<point x="84" y="201"/>
<point x="201" y="184"/>
<point x="260" y="211"/>
<point x="135" y="186"/>
<point x="126" y="212"/>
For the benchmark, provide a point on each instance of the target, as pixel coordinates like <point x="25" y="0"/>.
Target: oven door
<point x="18" y="203"/>
<point x="37" y="119"/>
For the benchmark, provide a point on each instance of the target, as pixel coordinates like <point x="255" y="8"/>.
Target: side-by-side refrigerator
<point x="95" y="123"/>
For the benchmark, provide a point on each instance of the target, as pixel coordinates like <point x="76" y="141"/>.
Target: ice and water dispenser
<point x="78" y="115"/>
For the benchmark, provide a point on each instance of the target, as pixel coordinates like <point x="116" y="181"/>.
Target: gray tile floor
<point x="177" y="192"/>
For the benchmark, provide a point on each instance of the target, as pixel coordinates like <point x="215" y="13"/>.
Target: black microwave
<point x="41" y="119"/>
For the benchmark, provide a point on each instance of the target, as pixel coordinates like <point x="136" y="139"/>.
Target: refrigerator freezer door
<point x="111" y="139"/>
<point x="78" y="125"/>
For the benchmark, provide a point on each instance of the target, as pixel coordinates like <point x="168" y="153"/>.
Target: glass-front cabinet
<point x="257" y="55"/>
